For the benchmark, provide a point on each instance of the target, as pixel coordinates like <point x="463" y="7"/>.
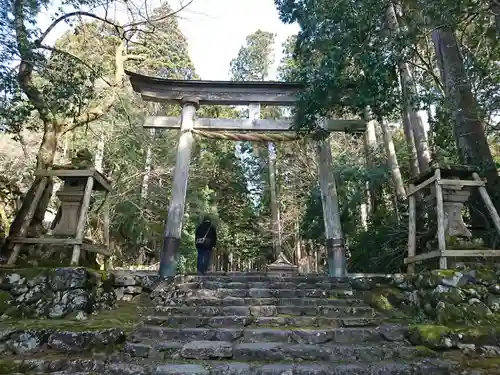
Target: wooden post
<point x="412" y="228"/>
<point x="440" y="221"/>
<point x="80" y="227"/>
<point x="331" y="215"/>
<point x="106" y="224"/>
<point x="173" y="227"/>
<point x="489" y="204"/>
<point x="27" y="221"/>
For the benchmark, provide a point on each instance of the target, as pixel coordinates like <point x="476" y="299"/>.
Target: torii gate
<point x="190" y="95"/>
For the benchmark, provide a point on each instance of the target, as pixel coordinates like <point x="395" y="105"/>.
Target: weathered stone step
<point x="229" y="284"/>
<point x="267" y="293"/>
<point x="251" y="321"/>
<point x="299" y="335"/>
<point x="91" y="367"/>
<point x="305" y="369"/>
<point x="272" y="351"/>
<point x="267" y="310"/>
<point x="247" y="301"/>
<point x="249" y="278"/>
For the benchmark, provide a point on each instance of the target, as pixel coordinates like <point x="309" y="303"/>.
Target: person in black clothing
<point x="206" y="240"/>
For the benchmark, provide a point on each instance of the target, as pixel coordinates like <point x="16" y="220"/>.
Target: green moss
<point x="5" y="299"/>
<point x="433" y="335"/>
<point x="482" y="363"/>
<point x="486" y="274"/>
<point x="430" y="332"/>
<point x="454" y="296"/>
<point x="8" y="366"/>
<point x="125" y="316"/>
<point x="444" y="273"/>
<point x="381" y="303"/>
<point x="386" y="300"/>
<point x="101" y="274"/>
<point x="424" y="351"/>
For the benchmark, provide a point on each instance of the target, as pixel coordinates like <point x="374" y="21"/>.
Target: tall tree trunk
<point x="495" y="9"/>
<point x="147" y="169"/>
<point x="409" y="91"/>
<point x="370" y="152"/>
<point x="468" y="128"/>
<point x="410" y="142"/>
<point x="275" y="215"/>
<point x="392" y="159"/>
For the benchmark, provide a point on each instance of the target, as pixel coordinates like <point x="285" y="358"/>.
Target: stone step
<point x="390" y="333"/>
<point x="247" y="301"/>
<point x="229" y="284"/>
<point x="251" y="321"/>
<point x="395" y="367"/>
<point x="305" y="369"/>
<point x="257" y="276"/>
<point x="264" y="293"/>
<point x="267" y="310"/>
<point x="246" y="278"/>
<point x="272" y="351"/>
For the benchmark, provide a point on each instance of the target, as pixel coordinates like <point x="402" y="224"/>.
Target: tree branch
<point x="161" y="18"/>
<point x="119" y="29"/>
<point x="73" y="14"/>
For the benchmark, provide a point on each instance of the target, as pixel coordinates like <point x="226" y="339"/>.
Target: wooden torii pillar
<point x="334" y="237"/>
<point x="191" y="94"/>
<point x="173" y="226"/>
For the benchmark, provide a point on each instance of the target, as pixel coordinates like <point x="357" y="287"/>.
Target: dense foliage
<point x="380" y="60"/>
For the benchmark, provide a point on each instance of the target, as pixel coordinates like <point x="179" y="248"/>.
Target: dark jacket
<point x="206" y="228"/>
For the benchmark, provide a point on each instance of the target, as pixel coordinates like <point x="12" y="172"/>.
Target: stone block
<point x="207" y="350"/>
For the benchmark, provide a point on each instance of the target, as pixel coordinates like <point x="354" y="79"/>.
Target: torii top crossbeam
<point x="216" y="92"/>
<point x="252" y="93"/>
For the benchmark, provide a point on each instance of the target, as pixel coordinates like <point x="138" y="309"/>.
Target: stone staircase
<point x="257" y="324"/>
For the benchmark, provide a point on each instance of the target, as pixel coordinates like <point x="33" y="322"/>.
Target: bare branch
<point x="158" y="19"/>
<point x="73" y="14"/>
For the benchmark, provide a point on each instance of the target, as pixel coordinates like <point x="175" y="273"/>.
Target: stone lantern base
<point x="71" y="197"/>
<point x="282" y="267"/>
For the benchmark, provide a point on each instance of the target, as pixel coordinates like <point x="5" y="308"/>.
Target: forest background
<point x="383" y="61"/>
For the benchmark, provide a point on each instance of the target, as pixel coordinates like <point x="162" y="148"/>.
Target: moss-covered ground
<point x="125" y="316"/>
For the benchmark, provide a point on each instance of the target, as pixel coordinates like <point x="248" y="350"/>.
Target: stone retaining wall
<point x="67" y="291"/>
<point x="461" y="296"/>
<point x="451" y="296"/>
<point x="17" y="341"/>
<point x="54" y="292"/>
<point x="129" y="284"/>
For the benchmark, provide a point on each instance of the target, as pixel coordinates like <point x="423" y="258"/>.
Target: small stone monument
<point x="71" y="195"/>
<point x="454" y="198"/>
<point x="282" y="267"/>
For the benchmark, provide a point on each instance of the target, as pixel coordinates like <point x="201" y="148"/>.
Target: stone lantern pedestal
<point x="71" y="196"/>
<point x="454" y="198"/>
